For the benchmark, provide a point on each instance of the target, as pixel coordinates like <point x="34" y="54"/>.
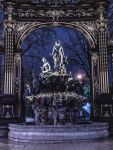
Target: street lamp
<point x="79" y="77"/>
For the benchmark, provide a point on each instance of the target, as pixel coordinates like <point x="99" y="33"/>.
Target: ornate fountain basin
<point x="55" y="134"/>
<point x="59" y="108"/>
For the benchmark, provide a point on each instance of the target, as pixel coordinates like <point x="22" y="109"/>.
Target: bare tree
<point x="33" y="46"/>
<point x="79" y="48"/>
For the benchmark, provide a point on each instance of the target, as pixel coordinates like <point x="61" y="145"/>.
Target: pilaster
<point x="17" y="79"/>
<point x="9" y="50"/>
<point x="103" y="56"/>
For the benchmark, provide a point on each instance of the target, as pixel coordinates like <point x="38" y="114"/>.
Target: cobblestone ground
<point x="81" y="145"/>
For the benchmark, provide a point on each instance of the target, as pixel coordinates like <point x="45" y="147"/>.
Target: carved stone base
<point x="104" y="106"/>
<point x="8" y="113"/>
<point x="8" y="109"/>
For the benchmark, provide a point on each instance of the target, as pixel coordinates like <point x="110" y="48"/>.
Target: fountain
<point x="57" y="102"/>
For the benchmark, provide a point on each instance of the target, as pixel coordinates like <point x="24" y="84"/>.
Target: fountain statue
<point x="59" y="58"/>
<point x="59" y="100"/>
<point x="46" y="68"/>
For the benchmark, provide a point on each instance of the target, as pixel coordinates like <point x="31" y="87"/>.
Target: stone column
<point x="9" y="50"/>
<point x="95" y="81"/>
<point x="17" y="79"/>
<point x="8" y="102"/>
<point x="95" y="74"/>
<point x="17" y="74"/>
<point x="103" y="62"/>
<point x="9" y="62"/>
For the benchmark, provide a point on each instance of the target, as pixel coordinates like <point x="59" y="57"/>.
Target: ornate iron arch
<point x="88" y="16"/>
<point x="85" y="31"/>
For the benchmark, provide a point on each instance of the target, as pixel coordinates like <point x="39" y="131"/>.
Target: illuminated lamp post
<point x="80" y="77"/>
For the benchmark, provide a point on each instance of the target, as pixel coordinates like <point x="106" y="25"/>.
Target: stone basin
<point x="55" y="134"/>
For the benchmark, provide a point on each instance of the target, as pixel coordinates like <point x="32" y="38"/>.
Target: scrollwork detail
<point x="55" y="2"/>
<point x="55" y="14"/>
<point x="101" y="22"/>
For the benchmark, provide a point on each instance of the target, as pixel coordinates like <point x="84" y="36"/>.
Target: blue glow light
<point x="87" y="108"/>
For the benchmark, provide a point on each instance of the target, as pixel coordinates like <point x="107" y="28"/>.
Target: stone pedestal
<point x="3" y="131"/>
<point x="8" y="107"/>
<point x="104" y="107"/>
<point x="8" y="113"/>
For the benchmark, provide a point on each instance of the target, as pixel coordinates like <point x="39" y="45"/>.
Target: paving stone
<point x="106" y="144"/>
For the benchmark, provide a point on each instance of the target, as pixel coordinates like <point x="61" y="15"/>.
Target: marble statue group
<point x="60" y="60"/>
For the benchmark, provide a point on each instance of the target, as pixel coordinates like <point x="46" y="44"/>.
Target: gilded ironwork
<point x="89" y="17"/>
<point x="55" y="2"/>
